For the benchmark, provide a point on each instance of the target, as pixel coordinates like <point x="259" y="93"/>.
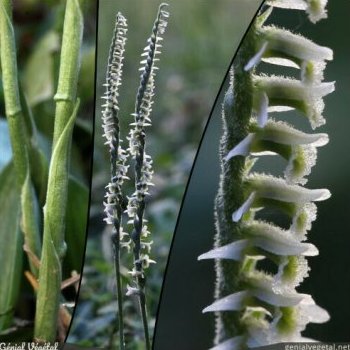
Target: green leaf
<point x="76" y="220"/>
<point x="39" y="151"/>
<point x="50" y="273"/>
<point x="11" y="241"/>
<point x="38" y="77"/>
<point x="39" y="171"/>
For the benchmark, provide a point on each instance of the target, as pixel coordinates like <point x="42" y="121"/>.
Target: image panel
<point x="47" y="54"/>
<point x="271" y="248"/>
<point x="131" y="222"/>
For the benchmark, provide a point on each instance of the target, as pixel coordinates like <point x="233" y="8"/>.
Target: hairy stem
<point x="236" y="114"/>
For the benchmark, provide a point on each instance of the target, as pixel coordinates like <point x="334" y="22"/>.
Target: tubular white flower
<point x="262" y="288"/>
<point x="287" y="45"/>
<point x="275" y="240"/>
<point x="288" y="4"/>
<point x="301" y="152"/>
<point x="293" y="94"/>
<point x="270" y="187"/>
<point x="316" y="9"/>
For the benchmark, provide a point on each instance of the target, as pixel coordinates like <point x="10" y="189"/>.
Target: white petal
<point x="294" y="46"/>
<point x="280" y="61"/>
<point x="281" y="300"/>
<point x="288" y="4"/>
<point x="237" y="215"/>
<point x="313" y="312"/>
<point x="232" y="302"/>
<point x="242" y="149"/>
<point x="232" y="251"/>
<point x="279" y="109"/>
<point x="261" y="288"/>
<point x="283" y="133"/>
<point x="276" y="240"/>
<point x="263" y="113"/>
<point x="255" y="60"/>
<point x="271" y="187"/>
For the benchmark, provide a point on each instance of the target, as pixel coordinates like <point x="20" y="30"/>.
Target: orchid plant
<point x="253" y="306"/>
<point x="138" y="239"/>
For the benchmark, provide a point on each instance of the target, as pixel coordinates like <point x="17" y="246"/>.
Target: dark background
<point x="189" y="284"/>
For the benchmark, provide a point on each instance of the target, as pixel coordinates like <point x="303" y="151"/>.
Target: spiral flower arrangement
<point x="255" y="307"/>
<point x="138" y="239"/>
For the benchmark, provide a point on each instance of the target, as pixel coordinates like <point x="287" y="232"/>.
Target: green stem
<point x="142" y="304"/>
<point x="19" y="135"/>
<point x="50" y="274"/>
<point x="13" y="107"/>
<point x="237" y="110"/>
<point x="116" y="246"/>
<point x="69" y="67"/>
<point x="54" y="247"/>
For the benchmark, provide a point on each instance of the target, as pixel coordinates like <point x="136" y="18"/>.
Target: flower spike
<point x="257" y="304"/>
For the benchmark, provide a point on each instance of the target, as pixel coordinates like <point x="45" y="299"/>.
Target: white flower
<point x="316" y="9"/>
<point x="270" y="187"/>
<point x="285" y="94"/>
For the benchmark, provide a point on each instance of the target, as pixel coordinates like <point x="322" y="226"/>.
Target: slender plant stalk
<point x="143" y="163"/>
<point x="19" y="137"/>
<point x="54" y="247"/>
<point x="114" y="197"/>
<point x="236" y="118"/>
<point x="254" y="307"/>
<point x="13" y="106"/>
<point x="69" y="67"/>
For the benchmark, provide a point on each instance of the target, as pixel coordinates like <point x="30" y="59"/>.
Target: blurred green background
<point x="198" y="45"/>
<point x="189" y="284"/>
